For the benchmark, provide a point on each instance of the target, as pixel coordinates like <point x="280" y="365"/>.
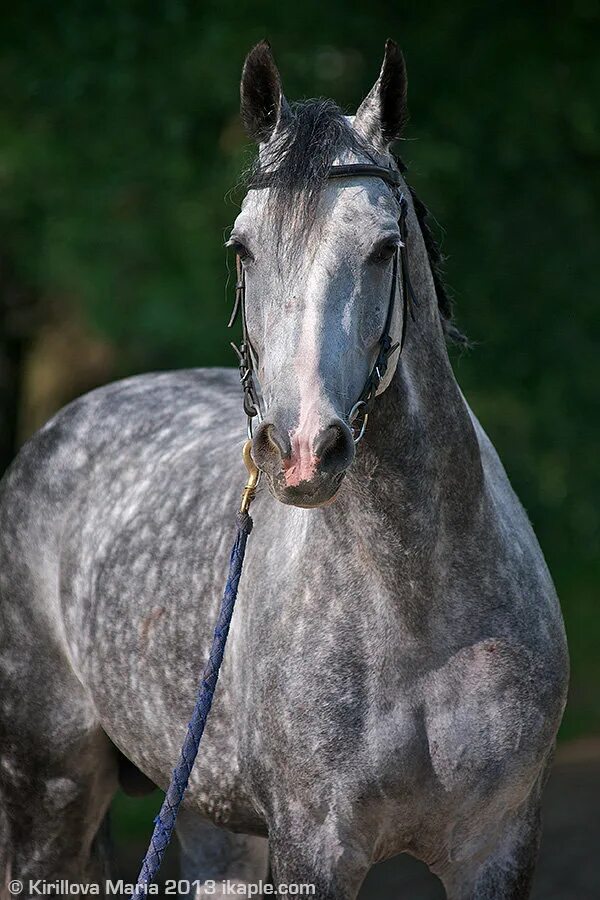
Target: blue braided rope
<point x="164" y="823"/>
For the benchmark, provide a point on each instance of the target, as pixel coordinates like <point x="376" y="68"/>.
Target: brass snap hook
<point x="253" y="477"/>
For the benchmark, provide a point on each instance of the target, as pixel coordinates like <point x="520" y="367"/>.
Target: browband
<point x="352" y="170"/>
<point x="355" y="170"/>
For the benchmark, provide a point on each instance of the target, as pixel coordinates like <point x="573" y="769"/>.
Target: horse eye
<point x="383" y="252"/>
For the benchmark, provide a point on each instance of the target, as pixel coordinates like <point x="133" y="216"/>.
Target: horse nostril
<point x="335" y="447"/>
<point x="269" y="448"/>
<point x="280" y="442"/>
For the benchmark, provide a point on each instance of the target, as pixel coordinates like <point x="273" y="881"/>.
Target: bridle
<point x="246" y="355"/>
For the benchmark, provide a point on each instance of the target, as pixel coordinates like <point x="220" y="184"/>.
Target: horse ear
<point x="262" y="102"/>
<point x="382" y="114"/>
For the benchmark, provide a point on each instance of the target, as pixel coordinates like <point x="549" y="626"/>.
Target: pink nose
<point x="302" y="462"/>
<point x="303" y="457"/>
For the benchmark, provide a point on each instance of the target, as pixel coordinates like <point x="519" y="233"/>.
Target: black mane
<point x="298" y="162"/>
<point x="436" y="263"/>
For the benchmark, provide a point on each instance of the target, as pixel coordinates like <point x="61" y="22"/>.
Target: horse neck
<point x="418" y="472"/>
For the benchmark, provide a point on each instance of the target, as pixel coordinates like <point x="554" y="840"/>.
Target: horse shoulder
<point x="491" y="713"/>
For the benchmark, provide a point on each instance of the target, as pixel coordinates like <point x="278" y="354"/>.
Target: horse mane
<point x="297" y="161"/>
<point x="436" y="264"/>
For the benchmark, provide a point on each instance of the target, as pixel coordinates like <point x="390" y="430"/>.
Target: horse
<point x="397" y="666"/>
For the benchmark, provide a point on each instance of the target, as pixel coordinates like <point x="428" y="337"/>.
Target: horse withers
<point x="397" y="666"/>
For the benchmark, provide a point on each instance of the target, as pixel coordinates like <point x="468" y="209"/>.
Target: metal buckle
<point x="353" y="415"/>
<point x="250" y="422"/>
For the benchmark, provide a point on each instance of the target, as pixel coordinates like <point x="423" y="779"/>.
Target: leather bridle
<point x="247" y="357"/>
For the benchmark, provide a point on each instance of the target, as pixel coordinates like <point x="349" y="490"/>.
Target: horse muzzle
<point x="303" y="469"/>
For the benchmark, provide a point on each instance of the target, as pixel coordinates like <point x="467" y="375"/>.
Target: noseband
<point x="359" y="414"/>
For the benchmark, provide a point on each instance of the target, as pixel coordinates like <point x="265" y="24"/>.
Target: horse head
<point x="318" y="258"/>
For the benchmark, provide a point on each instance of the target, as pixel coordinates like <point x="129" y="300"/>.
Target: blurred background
<point x="120" y="152"/>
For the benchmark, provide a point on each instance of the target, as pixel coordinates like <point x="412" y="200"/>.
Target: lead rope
<point x="164" y="823"/>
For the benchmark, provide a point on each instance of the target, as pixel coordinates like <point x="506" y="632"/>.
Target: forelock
<point x="297" y="160"/>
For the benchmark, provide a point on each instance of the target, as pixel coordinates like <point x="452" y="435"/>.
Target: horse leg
<point x="506" y="873"/>
<point x="321" y="854"/>
<point x="213" y="854"/>
<point x="58" y="775"/>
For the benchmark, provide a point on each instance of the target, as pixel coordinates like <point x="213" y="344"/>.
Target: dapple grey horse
<point x="397" y="667"/>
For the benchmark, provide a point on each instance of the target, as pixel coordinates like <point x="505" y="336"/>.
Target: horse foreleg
<point x="331" y="860"/>
<point x="507" y="872"/>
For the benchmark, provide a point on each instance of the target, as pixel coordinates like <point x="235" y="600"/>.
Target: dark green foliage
<point x="120" y="142"/>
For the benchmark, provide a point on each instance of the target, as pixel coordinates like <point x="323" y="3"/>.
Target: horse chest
<point x="425" y="754"/>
